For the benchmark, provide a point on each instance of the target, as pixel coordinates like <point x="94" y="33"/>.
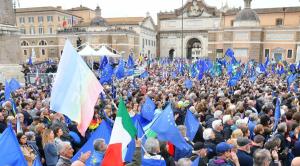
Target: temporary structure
<point x="87" y="51"/>
<point x="103" y="51"/>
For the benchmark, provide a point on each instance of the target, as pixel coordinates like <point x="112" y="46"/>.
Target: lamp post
<point x="182" y="30"/>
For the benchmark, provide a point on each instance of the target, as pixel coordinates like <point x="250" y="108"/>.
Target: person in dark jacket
<point x="243" y="152"/>
<point x="225" y="156"/>
<point x="209" y="137"/>
<point x="200" y="151"/>
<point x="218" y="129"/>
<point x="258" y="143"/>
<point x="227" y="122"/>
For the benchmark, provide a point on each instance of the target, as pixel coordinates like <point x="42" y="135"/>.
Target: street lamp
<point x="182" y="30"/>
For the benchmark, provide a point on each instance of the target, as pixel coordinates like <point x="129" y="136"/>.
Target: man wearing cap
<point x="225" y="156"/>
<point x="200" y="151"/>
<point x="243" y="153"/>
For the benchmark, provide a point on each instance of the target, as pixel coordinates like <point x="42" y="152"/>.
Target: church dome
<point x="98" y="20"/>
<point x="247" y="15"/>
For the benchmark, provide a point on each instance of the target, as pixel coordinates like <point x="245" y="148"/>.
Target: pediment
<point x="196" y="8"/>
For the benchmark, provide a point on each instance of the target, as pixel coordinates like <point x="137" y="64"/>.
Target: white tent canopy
<point x="88" y="51"/>
<point x="103" y="51"/>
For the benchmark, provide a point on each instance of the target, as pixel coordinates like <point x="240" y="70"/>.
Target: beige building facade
<point x="44" y="30"/>
<point x="251" y="33"/>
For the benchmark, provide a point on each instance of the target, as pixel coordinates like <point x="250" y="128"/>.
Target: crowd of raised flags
<point x="76" y="91"/>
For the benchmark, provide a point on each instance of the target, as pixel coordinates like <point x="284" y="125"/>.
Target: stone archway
<point x="171" y="54"/>
<point x="194" y="48"/>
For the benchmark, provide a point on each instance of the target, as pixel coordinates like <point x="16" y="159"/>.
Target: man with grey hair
<point x="97" y="156"/>
<point x="65" y="154"/>
<point x="218" y="129"/>
<point x="262" y="157"/>
<point x="152" y="152"/>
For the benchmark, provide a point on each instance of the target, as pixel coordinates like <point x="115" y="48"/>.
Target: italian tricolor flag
<point x="122" y="133"/>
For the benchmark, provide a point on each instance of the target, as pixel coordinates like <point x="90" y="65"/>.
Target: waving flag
<point x="103" y="63"/>
<point x="293" y="68"/>
<point x="120" y="73"/>
<point x="123" y="132"/>
<point x="80" y="89"/>
<point x="148" y="109"/>
<point x="166" y="129"/>
<point x="277" y="114"/>
<point x="10" y="152"/>
<point x="103" y="131"/>
<point x="267" y="62"/>
<point x="107" y="73"/>
<point x="192" y="125"/>
<point x="145" y="74"/>
<point x="188" y="84"/>
<point x="130" y="62"/>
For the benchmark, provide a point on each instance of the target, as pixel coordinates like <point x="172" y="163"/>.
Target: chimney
<point x="247" y="4"/>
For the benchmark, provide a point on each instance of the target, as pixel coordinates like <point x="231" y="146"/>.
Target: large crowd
<point x="238" y="126"/>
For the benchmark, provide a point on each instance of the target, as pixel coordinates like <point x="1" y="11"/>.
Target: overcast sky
<point x="131" y="8"/>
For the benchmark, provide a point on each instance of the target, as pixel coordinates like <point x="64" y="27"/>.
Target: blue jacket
<point x="96" y="158"/>
<point x="51" y="154"/>
<point x="244" y="158"/>
<point x="251" y="126"/>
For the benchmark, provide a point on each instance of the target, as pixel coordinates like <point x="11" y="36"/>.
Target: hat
<point x="223" y="147"/>
<point x="242" y="141"/>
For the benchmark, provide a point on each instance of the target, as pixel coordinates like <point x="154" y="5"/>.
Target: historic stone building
<point x="46" y="28"/>
<point x="209" y="32"/>
<point x="10" y="55"/>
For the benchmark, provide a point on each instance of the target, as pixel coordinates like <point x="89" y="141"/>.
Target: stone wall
<point x="7" y="14"/>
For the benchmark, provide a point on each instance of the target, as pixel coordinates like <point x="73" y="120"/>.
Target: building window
<point x="22" y="20"/>
<point x="24" y="43"/>
<point x="43" y="51"/>
<point x="25" y="52"/>
<point x="267" y="52"/>
<point x="41" y="30"/>
<point x="42" y="43"/>
<point x="290" y="54"/>
<point x="32" y="31"/>
<point x="22" y="30"/>
<point x="58" y="19"/>
<point x="31" y="19"/>
<point x="279" y="22"/>
<point x="49" y="18"/>
<point x="50" y="30"/>
<point x="40" y="19"/>
<point x="130" y="28"/>
<point x="231" y="23"/>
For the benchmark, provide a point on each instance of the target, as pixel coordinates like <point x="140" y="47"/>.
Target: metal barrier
<point x="40" y="79"/>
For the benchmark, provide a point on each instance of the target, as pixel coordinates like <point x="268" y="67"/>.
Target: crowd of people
<point x="238" y="126"/>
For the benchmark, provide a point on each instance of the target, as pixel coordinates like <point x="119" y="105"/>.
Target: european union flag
<point x="267" y="62"/>
<point x="291" y="78"/>
<point x="148" y="109"/>
<point x="281" y="71"/>
<point x="10" y="152"/>
<point x="192" y="125"/>
<point x="103" y="63"/>
<point x="153" y="162"/>
<point x="193" y="71"/>
<point x="167" y="130"/>
<point x="230" y="53"/>
<point x="30" y="61"/>
<point x="293" y="68"/>
<point x="106" y="76"/>
<point x="103" y="131"/>
<point x="277" y="114"/>
<point x="120" y="73"/>
<point x="7" y="91"/>
<point x="145" y="74"/>
<point x="113" y="92"/>
<point x="130" y="62"/>
<point x="130" y="72"/>
<point x="188" y="84"/>
<point x="232" y="82"/>
<point x="14" y="84"/>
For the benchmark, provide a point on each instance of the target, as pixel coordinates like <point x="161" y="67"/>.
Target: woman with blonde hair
<point x="50" y="149"/>
<point x="233" y="140"/>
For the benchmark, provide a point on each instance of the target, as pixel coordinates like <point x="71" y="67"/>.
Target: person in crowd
<point x="209" y="137"/>
<point x="200" y="151"/>
<point x="262" y="157"/>
<point x="98" y="154"/>
<point x="243" y="152"/>
<point x="57" y="133"/>
<point x="227" y="122"/>
<point x="50" y="149"/>
<point x="218" y="129"/>
<point x="184" y="162"/>
<point x="28" y="152"/>
<point x="152" y="151"/>
<point x="258" y="143"/>
<point x="164" y="151"/>
<point x="65" y="154"/>
<point x="224" y="156"/>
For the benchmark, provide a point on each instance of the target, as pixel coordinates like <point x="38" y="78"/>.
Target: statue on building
<point x="195" y="9"/>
